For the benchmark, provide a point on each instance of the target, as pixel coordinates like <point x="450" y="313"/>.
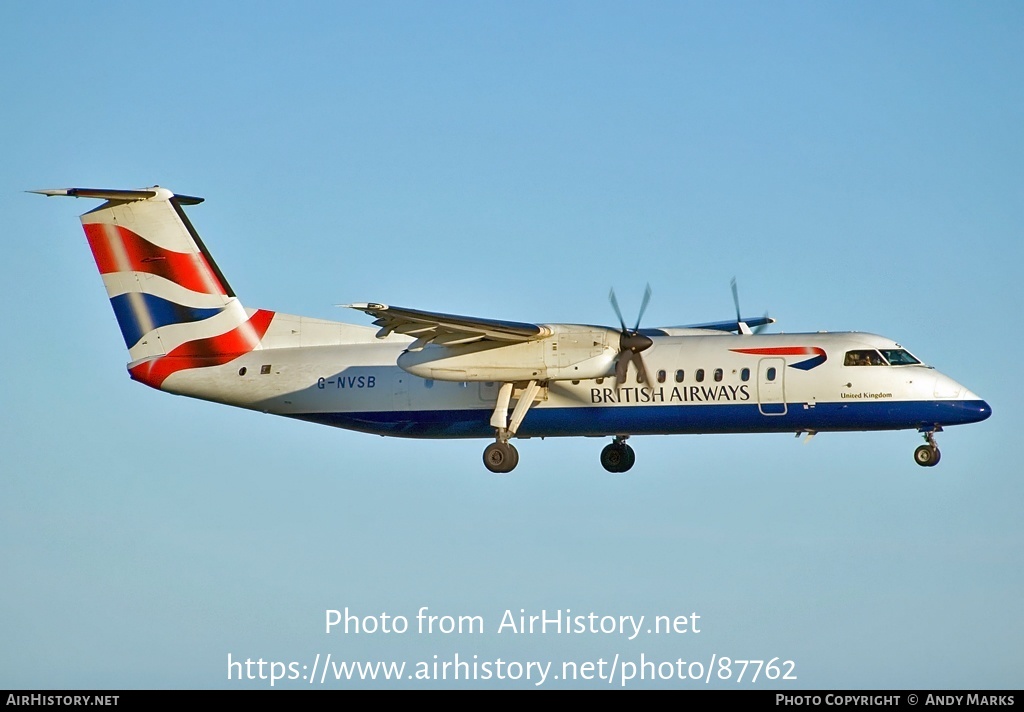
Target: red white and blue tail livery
<point x="424" y="374"/>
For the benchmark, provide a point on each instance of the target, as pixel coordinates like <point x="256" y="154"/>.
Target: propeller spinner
<point x="631" y="341"/>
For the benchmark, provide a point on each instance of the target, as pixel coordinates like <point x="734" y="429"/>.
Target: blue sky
<point x="857" y="166"/>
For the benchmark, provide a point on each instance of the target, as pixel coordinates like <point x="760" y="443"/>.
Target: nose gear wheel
<point x="928" y="455"/>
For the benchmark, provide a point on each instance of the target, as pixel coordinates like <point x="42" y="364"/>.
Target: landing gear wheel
<point x="515" y="457"/>
<point x="927" y="456"/>
<point x="630" y="458"/>
<point x="501" y="457"/>
<point x="617" y="457"/>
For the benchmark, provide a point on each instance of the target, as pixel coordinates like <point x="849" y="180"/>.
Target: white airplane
<point x="426" y="375"/>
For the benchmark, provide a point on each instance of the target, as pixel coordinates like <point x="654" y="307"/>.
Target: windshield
<point x="899" y="357"/>
<point x="863" y="357"/>
<point x="884" y="357"/>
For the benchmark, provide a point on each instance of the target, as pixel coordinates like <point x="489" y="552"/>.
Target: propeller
<point x="631" y="341"/>
<point x="740" y="324"/>
<point x="759" y="329"/>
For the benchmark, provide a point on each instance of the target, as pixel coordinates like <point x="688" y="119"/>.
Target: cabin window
<point x="700" y="375"/>
<point x="745" y="374"/>
<point x="639" y="376"/>
<point x="899" y="357"/>
<point x="661" y="376"/>
<point x="679" y="376"/>
<point x="241" y="371"/>
<point x="718" y="374"/>
<point x="864" y="357"/>
<point x="600" y="381"/>
<point x="770" y="374"/>
<point x="265" y="369"/>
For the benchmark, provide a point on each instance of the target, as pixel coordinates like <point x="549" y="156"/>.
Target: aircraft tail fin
<point x="175" y="309"/>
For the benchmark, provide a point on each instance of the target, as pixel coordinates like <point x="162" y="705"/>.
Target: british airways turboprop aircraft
<point x="427" y="375"/>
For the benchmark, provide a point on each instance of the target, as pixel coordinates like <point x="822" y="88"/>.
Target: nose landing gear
<point x="928" y="455"/>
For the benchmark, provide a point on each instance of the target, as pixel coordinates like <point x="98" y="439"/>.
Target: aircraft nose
<point x="984" y="410"/>
<point x="973" y="409"/>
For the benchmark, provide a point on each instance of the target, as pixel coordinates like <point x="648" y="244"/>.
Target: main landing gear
<point x="618" y="456"/>
<point x="501" y="456"/>
<point x="928" y="455"/>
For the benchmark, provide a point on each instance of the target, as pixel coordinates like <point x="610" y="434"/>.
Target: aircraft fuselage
<point x="707" y="383"/>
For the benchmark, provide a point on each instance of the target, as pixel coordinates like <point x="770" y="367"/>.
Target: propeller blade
<point x="759" y="329"/>
<point x="643" y="307"/>
<point x="648" y="381"/>
<point x="736" y="299"/>
<point x="615" y="306"/>
<point x="621" y="367"/>
<point x="740" y="324"/>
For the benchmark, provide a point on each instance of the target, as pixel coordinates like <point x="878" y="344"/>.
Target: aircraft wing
<point x="446" y="329"/>
<point x="752" y="322"/>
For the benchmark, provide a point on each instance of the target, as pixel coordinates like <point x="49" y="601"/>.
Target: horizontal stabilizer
<point x="117" y="195"/>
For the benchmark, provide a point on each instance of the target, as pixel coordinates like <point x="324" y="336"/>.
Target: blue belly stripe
<point x="663" y="419"/>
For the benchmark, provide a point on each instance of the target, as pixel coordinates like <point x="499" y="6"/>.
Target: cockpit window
<point x="899" y="357"/>
<point x="864" y="357"/>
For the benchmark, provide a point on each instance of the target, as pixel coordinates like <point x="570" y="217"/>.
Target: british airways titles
<point x="677" y="394"/>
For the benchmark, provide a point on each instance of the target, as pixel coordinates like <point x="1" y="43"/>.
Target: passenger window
<point x="661" y="376"/>
<point x="718" y="374"/>
<point x="639" y="376"/>
<point x="770" y="374"/>
<point x="700" y="375"/>
<point x="745" y="374"/>
<point x="679" y="376"/>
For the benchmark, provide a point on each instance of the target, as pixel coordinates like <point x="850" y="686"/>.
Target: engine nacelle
<point x="571" y="352"/>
